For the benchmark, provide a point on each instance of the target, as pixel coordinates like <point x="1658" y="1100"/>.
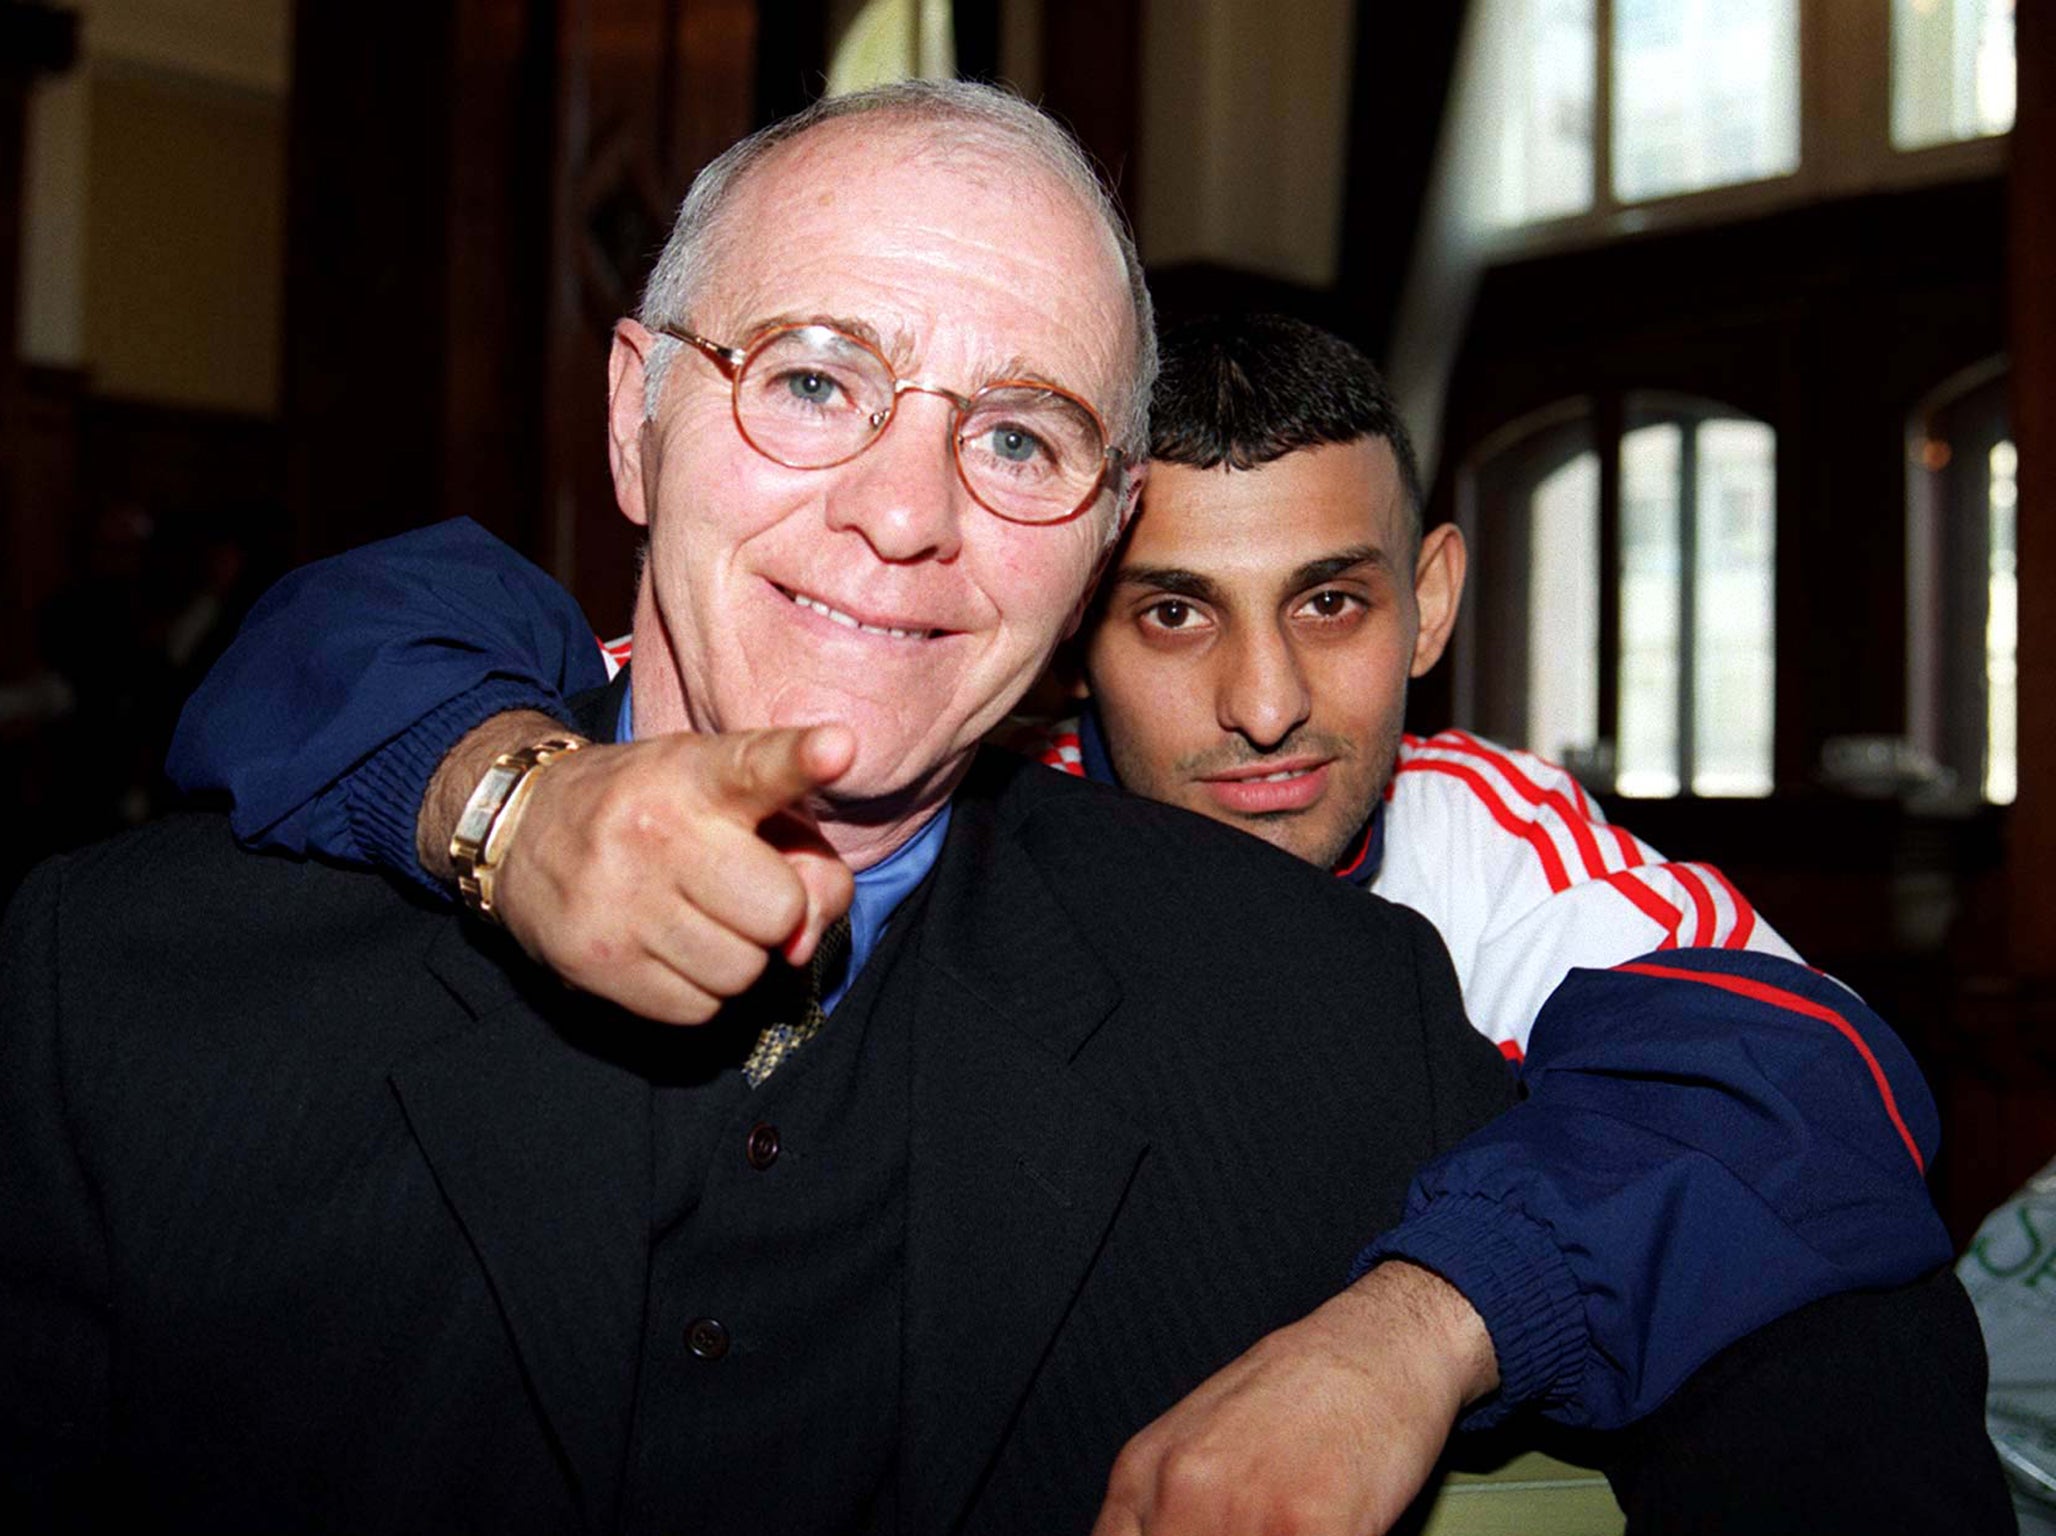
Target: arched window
<point x="1962" y="491"/>
<point x="1634" y="570"/>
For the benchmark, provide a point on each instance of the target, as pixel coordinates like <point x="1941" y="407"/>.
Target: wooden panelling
<point x="1091" y="80"/>
<point x="2032" y="854"/>
<point x="458" y="256"/>
<point x="34" y="40"/>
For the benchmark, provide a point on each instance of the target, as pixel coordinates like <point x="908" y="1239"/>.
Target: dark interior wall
<point x="2032" y="295"/>
<point x="459" y="252"/>
<point x="35" y="41"/>
<point x="392" y="109"/>
<point x="1406" y="58"/>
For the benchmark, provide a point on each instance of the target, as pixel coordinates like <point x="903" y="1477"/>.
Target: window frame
<point x="1845" y="141"/>
<point x="1948" y="571"/>
<point x="1492" y="510"/>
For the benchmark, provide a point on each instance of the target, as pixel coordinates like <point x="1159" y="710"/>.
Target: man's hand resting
<point x="1330" y="1426"/>
<point x="661" y="874"/>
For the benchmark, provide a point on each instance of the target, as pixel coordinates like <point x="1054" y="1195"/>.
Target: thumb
<point x="761" y="772"/>
<point x="829" y="886"/>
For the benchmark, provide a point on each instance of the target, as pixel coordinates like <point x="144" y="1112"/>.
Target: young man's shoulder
<point x="1459" y="773"/>
<point x="1125" y="864"/>
<point x="1460" y="801"/>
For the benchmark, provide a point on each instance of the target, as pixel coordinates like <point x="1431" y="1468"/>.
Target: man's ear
<point x="1438" y="593"/>
<point x="627" y="379"/>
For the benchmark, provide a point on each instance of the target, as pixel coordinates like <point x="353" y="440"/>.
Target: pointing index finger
<point x="766" y="771"/>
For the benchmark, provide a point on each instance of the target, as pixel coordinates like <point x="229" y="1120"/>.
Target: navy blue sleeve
<point x="351" y="678"/>
<point x="1710" y="1139"/>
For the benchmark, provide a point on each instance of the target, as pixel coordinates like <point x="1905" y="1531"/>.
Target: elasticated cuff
<point x="1510" y="1269"/>
<point x="386" y="789"/>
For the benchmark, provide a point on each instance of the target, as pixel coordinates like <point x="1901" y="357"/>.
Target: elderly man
<point x="807" y="566"/>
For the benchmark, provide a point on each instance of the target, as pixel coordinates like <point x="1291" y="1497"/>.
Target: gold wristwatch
<point x="483" y="831"/>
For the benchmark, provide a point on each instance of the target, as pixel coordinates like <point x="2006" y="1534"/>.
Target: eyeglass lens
<point x="812" y="397"/>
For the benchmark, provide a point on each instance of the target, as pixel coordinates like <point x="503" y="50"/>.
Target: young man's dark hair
<point x="1244" y="390"/>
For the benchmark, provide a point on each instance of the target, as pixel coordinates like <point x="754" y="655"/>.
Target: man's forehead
<point x="1272" y="520"/>
<point x="856" y="222"/>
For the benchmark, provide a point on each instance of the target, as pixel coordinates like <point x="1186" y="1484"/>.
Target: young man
<point x="1249" y="660"/>
<point x="1709" y="1140"/>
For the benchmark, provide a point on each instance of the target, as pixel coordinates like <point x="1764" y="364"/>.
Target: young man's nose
<point x="1263" y="694"/>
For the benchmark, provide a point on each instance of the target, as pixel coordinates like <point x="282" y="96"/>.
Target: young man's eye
<point x="1169" y="613"/>
<point x="1333" y="605"/>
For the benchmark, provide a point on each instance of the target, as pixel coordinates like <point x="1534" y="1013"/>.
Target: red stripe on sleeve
<point x="1578" y="823"/>
<point x="1792" y="1002"/>
<point x="1631" y="851"/>
<point x="1536" y="838"/>
<point x="1660" y="912"/>
<point x="1702" y="903"/>
<point x="1745" y="915"/>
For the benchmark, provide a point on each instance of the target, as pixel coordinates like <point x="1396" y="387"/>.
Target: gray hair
<point x="981" y="116"/>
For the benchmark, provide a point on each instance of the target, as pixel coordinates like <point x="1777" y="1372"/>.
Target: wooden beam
<point x="35" y="40"/>
<point x="2031" y="842"/>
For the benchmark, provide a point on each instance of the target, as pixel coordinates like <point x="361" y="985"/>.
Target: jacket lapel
<point x="542" y="1151"/>
<point x="1014" y="1170"/>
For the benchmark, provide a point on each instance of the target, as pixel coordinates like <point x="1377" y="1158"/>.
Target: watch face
<point x="485" y="801"/>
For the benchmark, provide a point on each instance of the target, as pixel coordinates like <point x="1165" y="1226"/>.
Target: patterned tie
<point x="777" y="1041"/>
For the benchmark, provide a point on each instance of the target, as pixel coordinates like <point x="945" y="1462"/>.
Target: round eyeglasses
<point x="812" y="397"/>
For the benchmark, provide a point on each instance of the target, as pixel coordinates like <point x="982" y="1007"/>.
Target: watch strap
<point x="486" y="826"/>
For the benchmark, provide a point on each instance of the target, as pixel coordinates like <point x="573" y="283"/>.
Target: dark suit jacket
<point x="321" y="1208"/>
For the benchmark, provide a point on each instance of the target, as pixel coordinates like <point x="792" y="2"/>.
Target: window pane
<point x="2002" y="617"/>
<point x="1952" y="70"/>
<point x="1563" y="612"/>
<point x="1705" y="94"/>
<point x="1540" y="71"/>
<point x="1734" y="569"/>
<point x="1648" y="751"/>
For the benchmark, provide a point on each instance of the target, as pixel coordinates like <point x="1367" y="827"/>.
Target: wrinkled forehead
<point x="931" y="222"/>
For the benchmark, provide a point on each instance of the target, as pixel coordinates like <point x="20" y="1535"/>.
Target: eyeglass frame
<point x="732" y="361"/>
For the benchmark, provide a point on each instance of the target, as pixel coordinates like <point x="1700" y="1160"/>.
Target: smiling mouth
<point x="835" y="615"/>
<point x="1269" y="789"/>
<point x="1255" y="775"/>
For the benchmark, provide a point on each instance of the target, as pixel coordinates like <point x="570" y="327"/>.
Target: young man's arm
<point x="1710" y="1139"/>
<point x="353" y="678"/>
<point x="281" y="758"/>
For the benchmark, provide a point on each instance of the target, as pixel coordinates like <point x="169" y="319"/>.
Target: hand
<point x="663" y="874"/>
<point x="1326" y="1428"/>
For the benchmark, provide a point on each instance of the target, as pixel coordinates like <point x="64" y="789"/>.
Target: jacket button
<point x="762" y="1146"/>
<point x="706" y="1338"/>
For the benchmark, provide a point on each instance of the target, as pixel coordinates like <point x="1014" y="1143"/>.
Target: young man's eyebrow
<point x="1341" y="563"/>
<point x="1169" y="578"/>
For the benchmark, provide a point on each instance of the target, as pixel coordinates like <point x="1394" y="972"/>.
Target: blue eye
<point x="812" y="388"/>
<point x="1013" y="444"/>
